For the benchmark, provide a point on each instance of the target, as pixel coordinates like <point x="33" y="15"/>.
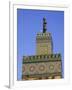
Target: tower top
<point x="44" y="25"/>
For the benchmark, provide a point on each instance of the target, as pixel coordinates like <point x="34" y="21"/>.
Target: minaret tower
<point x="44" y="43"/>
<point x="45" y="64"/>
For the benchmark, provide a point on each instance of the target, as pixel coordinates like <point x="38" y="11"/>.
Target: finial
<point x="44" y="25"/>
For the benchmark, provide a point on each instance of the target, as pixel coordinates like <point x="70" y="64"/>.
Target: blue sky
<point x="29" y="23"/>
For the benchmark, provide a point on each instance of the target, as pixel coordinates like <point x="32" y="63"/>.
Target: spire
<point x="44" y="25"/>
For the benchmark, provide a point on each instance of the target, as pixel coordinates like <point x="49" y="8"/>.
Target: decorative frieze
<point x="42" y="67"/>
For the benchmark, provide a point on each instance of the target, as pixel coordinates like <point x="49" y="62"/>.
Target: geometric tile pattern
<point x="40" y="68"/>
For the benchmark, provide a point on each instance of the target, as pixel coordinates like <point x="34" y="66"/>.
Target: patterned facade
<point x="41" y="66"/>
<point x="44" y="44"/>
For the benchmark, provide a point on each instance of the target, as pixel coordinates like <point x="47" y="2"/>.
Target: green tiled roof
<point x="43" y="58"/>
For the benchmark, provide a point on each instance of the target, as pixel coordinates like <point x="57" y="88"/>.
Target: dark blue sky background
<point x="29" y="23"/>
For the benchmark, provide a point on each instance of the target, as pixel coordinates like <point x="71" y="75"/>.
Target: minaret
<point x="44" y="41"/>
<point x="45" y="64"/>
